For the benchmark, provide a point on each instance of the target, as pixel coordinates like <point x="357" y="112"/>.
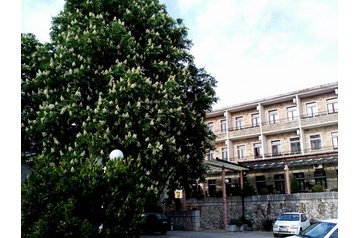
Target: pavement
<point x="211" y="234"/>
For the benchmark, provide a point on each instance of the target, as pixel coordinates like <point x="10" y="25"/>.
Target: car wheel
<point x="275" y="235"/>
<point x="163" y="232"/>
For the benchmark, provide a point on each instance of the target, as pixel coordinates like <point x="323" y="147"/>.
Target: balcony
<point x="244" y="132"/>
<point x="280" y="125"/>
<point x="286" y="154"/>
<point x="326" y="149"/>
<point x="220" y="136"/>
<point x="319" y="119"/>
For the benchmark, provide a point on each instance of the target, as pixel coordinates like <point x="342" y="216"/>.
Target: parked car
<point x="321" y="229"/>
<point x="290" y="223"/>
<point x="156" y="222"/>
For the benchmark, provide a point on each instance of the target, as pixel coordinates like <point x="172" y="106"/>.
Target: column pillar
<point x="287" y="178"/>
<point x="224" y="195"/>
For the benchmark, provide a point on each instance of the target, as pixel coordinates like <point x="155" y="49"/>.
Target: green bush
<point x="234" y="222"/>
<point x="242" y="220"/>
<point x="263" y="191"/>
<point x="317" y="188"/>
<point x="267" y="224"/>
<point x="295" y="186"/>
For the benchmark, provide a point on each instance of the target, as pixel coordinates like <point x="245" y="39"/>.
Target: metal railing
<point x="306" y="151"/>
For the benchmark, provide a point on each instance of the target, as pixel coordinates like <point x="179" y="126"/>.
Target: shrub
<point x="263" y="191"/>
<point x="234" y="222"/>
<point x="295" y="186"/>
<point x="242" y="220"/>
<point x="267" y="224"/>
<point x="317" y="188"/>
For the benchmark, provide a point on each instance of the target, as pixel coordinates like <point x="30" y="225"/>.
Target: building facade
<point x="289" y="142"/>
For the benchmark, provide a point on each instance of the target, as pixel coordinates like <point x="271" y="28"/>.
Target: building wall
<point x="262" y="208"/>
<point x="301" y="127"/>
<point x="246" y="114"/>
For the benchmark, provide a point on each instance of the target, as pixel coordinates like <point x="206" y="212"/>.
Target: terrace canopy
<point x="223" y="165"/>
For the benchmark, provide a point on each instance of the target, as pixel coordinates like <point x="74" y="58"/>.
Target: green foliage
<point x="248" y="190"/>
<point x="233" y="221"/>
<point x="317" y="188"/>
<point x="242" y="220"/>
<point x="295" y="185"/>
<point x="264" y="191"/>
<point x="267" y="224"/>
<point x="116" y="75"/>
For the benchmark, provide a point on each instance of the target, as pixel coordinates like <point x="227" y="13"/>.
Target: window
<point x="257" y="150"/>
<point x="229" y="187"/>
<point x="334" y="137"/>
<point x="276" y="147"/>
<point x="223" y="125"/>
<point x="303" y="217"/>
<point x="260" y="183"/>
<point x="273" y="117"/>
<point x="300" y="177"/>
<point x="239" y="121"/>
<point x="224" y="153"/>
<point x="241" y="151"/>
<point x="332" y="105"/>
<point x="210" y="155"/>
<point x="255" y="119"/>
<point x="311" y="109"/>
<point x="320" y="178"/>
<point x="334" y="234"/>
<point x="279" y="183"/>
<point x="212" y="187"/>
<point x="292" y="113"/>
<point x="295" y="145"/>
<point x="315" y="142"/>
<point x="211" y="126"/>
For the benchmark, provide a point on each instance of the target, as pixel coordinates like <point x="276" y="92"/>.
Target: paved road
<point x="211" y="234"/>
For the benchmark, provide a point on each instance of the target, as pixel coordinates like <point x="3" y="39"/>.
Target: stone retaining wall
<point x="265" y="208"/>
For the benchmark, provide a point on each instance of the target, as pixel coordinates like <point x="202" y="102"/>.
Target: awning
<point x="280" y="164"/>
<point x="217" y="165"/>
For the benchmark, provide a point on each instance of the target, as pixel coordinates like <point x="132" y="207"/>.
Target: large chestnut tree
<point x="116" y="74"/>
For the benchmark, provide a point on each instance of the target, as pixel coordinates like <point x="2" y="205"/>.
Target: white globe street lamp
<point x="116" y="154"/>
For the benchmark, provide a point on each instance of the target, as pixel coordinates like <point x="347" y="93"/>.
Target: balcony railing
<point x="280" y="124"/>
<point x="308" y="151"/>
<point x="220" y="135"/>
<point x="284" y="123"/>
<point x="319" y="118"/>
<point x="244" y="131"/>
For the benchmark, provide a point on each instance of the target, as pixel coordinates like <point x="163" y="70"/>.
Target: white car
<point x="290" y="223"/>
<point x="322" y="229"/>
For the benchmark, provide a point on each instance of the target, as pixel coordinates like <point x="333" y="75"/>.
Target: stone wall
<point x="185" y="220"/>
<point x="265" y="208"/>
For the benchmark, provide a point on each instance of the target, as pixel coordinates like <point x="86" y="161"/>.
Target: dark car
<point x="156" y="222"/>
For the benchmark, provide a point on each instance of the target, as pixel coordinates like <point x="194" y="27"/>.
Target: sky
<point x="253" y="48"/>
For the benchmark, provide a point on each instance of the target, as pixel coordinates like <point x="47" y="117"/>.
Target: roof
<point x="218" y="164"/>
<point x="275" y="99"/>
<point x="280" y="164"/>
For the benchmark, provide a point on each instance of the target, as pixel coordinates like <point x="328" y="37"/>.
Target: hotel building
<point x="280" y="139"/>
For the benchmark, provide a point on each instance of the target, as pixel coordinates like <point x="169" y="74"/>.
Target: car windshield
<point x="289" y="217"/>
<point x="318" y="230"/>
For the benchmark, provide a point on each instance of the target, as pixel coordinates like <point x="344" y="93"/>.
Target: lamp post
<point x="116" y="154"/>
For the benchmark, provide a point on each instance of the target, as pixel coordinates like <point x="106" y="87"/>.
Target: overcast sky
<point x="254" y="48"/>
